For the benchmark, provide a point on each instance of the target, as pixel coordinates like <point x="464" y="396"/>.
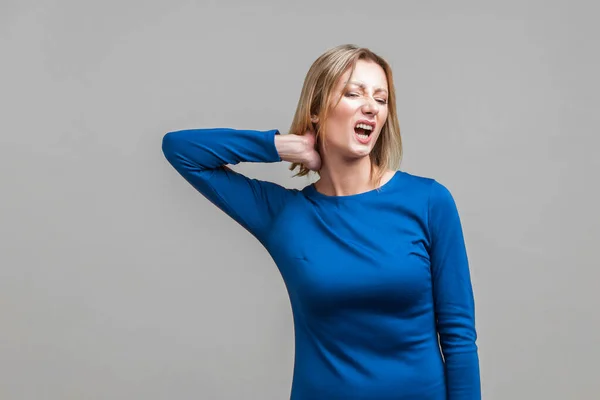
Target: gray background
<point x="119" y="281"/>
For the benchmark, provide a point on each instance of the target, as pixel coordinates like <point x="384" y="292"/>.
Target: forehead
<point x="366" y="72"/>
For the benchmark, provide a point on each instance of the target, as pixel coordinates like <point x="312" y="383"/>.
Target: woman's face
<point x="353" y="126"/>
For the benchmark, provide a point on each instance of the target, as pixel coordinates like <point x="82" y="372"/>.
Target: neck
<point x="344" y="178"/>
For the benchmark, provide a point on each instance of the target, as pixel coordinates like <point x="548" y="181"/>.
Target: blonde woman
<point x="373" y="258"/>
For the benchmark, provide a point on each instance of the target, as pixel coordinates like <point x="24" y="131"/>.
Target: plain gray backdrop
<point x="119" y="281"/>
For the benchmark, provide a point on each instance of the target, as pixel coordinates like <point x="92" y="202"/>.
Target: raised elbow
<point x="170" y="144"/>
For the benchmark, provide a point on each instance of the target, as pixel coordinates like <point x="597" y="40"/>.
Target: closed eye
<point x="353" y="94"/>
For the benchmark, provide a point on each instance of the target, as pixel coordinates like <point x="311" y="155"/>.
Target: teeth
<point x="365" y="127"/>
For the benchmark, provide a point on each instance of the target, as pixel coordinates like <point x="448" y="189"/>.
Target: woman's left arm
<point x="453" y="296"/>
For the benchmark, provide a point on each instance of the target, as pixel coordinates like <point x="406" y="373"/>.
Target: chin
<point x="354" y="152"/>
<point x="352" y="149"/>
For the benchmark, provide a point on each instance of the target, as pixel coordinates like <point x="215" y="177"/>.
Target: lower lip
<point x="363" y="140"/>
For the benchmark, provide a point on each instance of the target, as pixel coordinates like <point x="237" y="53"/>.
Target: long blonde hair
<point x="316" y="100"/>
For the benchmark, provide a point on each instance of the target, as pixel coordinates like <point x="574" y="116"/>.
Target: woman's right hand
<point x="312" y="159"/>
<point x="299" y="149"/>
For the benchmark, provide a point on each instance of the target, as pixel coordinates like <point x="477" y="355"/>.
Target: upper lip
<point x="366" y="122"/>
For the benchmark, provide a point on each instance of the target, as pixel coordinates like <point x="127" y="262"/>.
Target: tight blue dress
<point x="379" y="282"/>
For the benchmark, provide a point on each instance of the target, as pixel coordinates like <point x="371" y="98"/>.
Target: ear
<point x="314" y="119"/>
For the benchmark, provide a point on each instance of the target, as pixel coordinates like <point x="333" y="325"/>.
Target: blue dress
<point x="379" y="282"/>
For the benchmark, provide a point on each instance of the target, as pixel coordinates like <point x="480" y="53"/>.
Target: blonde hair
<point x="316" y="100"/>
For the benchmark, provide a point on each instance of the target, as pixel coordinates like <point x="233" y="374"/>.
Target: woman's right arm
<point x="201" y="156"/>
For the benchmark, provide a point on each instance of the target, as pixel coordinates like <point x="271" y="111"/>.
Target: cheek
<point x="344" y="109"/>
<point x="341" y="115"/>
<point x="383" y="112"/>
<point x="384" y="116"/>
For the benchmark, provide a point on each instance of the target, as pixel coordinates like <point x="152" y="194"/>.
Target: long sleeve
<point x="201" y="156"/>
<point x="453" y="297"/>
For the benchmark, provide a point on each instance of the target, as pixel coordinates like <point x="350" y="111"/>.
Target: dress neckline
<point x="312" y="191"/>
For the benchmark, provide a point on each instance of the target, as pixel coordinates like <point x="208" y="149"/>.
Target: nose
<point x="370" y="107"/>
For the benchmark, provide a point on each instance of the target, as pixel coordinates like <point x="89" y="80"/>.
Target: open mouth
<point x="363" y="130"/>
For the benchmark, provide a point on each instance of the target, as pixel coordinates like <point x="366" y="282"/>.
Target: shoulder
<point x="431" y="187"/>
<point x="436" y="194"/>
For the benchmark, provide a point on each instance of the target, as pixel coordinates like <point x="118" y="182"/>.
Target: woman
<point x="373" y="259"/>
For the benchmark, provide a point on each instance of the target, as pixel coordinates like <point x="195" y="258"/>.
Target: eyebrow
<point x="363" y="86"/>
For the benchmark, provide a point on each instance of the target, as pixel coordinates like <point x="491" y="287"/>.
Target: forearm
<point x="196" y="150"/>
<point x="462" y="374"/>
